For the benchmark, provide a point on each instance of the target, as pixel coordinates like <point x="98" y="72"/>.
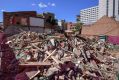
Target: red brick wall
<point x="13" y="18"/>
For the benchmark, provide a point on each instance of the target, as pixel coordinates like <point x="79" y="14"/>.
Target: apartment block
<point x="109" y="8"/>
<point x="89" y="15"/>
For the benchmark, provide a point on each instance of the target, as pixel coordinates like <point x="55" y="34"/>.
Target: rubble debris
<point x="8" y="62"/>
<point x="72" y="58"/>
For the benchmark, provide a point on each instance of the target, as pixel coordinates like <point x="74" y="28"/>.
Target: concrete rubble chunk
<point x="72" y="58"/>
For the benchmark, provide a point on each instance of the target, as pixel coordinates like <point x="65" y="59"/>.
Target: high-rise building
<point x="89" y="15"/>
<point x="109" y="8"/>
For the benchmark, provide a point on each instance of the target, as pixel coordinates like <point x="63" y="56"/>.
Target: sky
<point x="63" y="9"/>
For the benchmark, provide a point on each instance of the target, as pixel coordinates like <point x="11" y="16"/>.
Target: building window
<point x="118" y="7"/>
<point x="107" y="7"/>
<point x="113" y="8"/>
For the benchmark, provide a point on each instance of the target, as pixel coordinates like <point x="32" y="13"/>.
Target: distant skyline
<point x="63" y="9"/>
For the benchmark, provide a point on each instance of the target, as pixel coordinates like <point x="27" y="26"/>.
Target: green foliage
<point x="40" y="15"/>
<point x="78" y="26"/>
<point x="52" y="21"/>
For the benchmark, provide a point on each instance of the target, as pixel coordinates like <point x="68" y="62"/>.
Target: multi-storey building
<point x="14" y="22"/>
<point x="109" y="8"/>
<point x="89" y="15"/>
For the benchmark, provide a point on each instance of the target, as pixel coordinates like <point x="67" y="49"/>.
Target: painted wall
<point x="36" y="22"/>
<point x="113" y="39"/>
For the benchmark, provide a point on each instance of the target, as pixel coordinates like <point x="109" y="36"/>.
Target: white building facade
<point x="89" y="15"/>
<point x="109" y="8"/>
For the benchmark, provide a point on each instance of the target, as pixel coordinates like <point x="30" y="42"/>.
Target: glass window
<point x="118" y="7"/>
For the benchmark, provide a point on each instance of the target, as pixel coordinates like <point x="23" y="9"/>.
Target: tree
<point x="78" y="27"/>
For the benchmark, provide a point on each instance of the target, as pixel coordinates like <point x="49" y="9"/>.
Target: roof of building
<point x="89" y="8"/>
<point x="104" y="26"/>
<point x="21" y="12"/>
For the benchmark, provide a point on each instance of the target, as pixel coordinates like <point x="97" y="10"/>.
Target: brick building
<point x="71" y="26"/>
<point x="17" y="18"/>
<point x="29" y="20"/>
